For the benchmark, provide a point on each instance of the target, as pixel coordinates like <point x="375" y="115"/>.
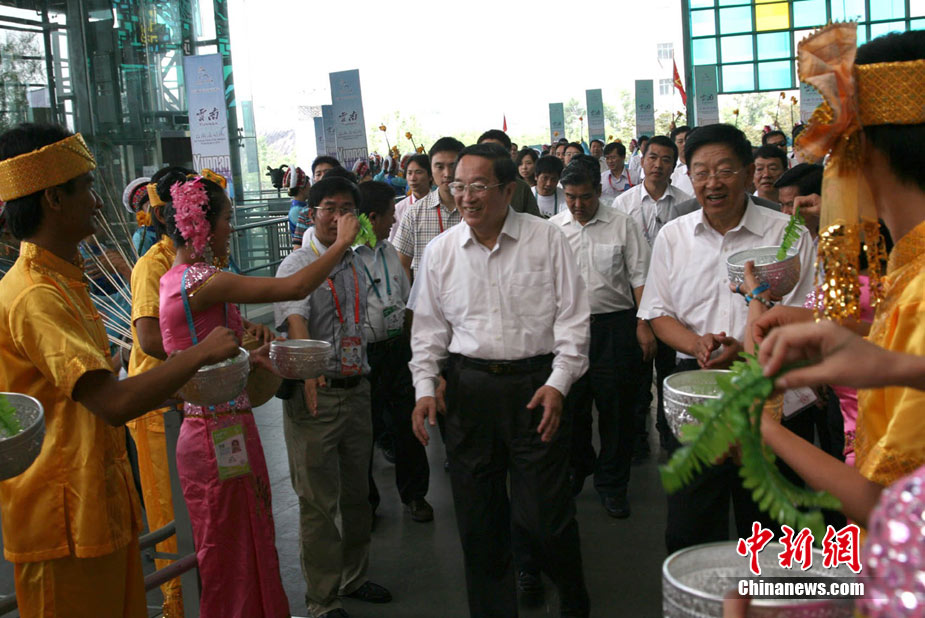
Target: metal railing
<point x="259" y="247"/>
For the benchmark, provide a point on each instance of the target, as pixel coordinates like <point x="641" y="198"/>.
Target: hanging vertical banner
<point x="556" y="122"/>
<point x="595" y="101"/>
<point x="349" y="125"/>
<point x="319" y="136"/>
<point x="706" y="105"/>
<point x="645" y="107"/>
<point x="330" y="136"/>
<point x="208" y="116"/>
<point x="810" y="99"/>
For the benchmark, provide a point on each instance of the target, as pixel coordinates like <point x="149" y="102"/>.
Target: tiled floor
<point x="422" y="563"/>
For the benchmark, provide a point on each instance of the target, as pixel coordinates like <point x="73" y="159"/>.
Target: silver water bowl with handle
<point x="299" y="359"/>
<point x="695" y="580"/>
<point x="218" y="383"/>
<point x="685" y="389"/>
<point x="19" y="451"/>
<point x="782" y="276"/>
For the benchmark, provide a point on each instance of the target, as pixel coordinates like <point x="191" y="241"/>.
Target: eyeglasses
<point x="330" y="210"/>
<point x="723" y="175"/>
<point x="477" y="188"/>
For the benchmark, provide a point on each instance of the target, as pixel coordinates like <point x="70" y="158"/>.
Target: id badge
<point x="351" y="355"/>
<point x="394" y="320"/>
<point x="230" y="452"/>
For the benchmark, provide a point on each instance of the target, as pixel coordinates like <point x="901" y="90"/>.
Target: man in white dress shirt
<point x="635" y="163"/>
<point x="679" y="177"/>
<point x="688" y="302"/>
<point x="613" y="257"/>
<point x="616" y="180"/>
<point x="500" y="304"/>
<point x="649" y="204"/>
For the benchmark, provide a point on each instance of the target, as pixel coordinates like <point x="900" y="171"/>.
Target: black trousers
<point x="664" y="366"/>
<point x="490" y="434"/>
<point x="392" y="395"/>
<point x="612" y="384"/>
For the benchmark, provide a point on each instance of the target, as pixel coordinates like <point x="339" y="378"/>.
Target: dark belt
<point x="603" y="317"/>
<point x="348" y="382"/>
<point x="501" y="367"/>
<point x="387" y="343"/>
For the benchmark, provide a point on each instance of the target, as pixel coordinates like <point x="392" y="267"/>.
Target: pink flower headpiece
<point x="190" y="201"/>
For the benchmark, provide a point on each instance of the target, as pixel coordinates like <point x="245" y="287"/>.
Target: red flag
<point x="678" y="84"/>
<point x="504" y="125"/>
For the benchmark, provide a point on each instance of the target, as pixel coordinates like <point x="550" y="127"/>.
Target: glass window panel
<point x="772" y="16"/>
<point x="847" y="10"/>
<point x="738" y="19"/>
<point x="703" y="22"/>
<point x="701" y="4"/>
<point x="734" y="2"/>
<point x="808" y="13"/>
<point x="917" y="24"/>
<point x="916" y="8"/>
<point x="774" y="75"/>
<point x="737" y="48"/>
<point x="704" y="51"/>
<point x="738" y="77"/>
<point x="884" y="28"/>
<point x="887" y="9"/>
<point x="773" y="45"/>
<point x="862" y="34"/>
<point x="765" y="1"/>
<point x="799" y="35"/>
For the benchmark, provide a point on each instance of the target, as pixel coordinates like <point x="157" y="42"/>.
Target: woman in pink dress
<point x="227" y="490"/>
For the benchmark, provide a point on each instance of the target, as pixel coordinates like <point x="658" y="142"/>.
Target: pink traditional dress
<point x="222" y="472"/>
<point x="894" y="553"/>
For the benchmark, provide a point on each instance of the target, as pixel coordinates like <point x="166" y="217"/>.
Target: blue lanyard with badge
<point x="351" y="348"/>
<point x="228" y="437"/>
<point x="392" y="315"/>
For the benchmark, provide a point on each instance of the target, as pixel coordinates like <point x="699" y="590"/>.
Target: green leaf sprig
<point x="9" y="422"/>
<point x="735" y="418"/>
<point x="366" y="235"/>
<point x="791" y="234"/>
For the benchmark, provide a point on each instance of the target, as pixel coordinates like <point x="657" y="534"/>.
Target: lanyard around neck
<point x="356" y="290"/>
<point x="388" y="282"/>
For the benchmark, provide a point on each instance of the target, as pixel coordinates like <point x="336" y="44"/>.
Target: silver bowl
<point x="18" y="452"/>
<point x="218" y="383"/>
<point x="299" y="359"/>
<point x="695" y="579"/>
<point x="684" y="389"/>
<point x="782" y="276"/>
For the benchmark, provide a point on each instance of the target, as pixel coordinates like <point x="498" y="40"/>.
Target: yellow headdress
<point x="46" y="167"/>
<point x="855" y="97"/>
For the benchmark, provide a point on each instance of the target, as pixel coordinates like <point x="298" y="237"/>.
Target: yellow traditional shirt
<point x="146" y="285"/>
<point x="890" y="437"/>
<point x="78" y="497"/>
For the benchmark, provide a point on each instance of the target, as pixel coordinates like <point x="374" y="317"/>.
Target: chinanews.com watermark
<point x="840" y="549"/>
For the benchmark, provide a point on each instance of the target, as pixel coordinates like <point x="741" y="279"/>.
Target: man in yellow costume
<point x="70" y="521"/>
<point x="873" y="125"/>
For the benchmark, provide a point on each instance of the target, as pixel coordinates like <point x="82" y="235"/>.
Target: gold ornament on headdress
<point x="855" y="96"/>
<point x="214" y="177"/>
<point x="153" y="197"/>
<point x="46" y="167"/>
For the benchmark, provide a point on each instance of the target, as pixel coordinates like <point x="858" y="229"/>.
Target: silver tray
<point x="299" y="359"/>
<point x="695" y="579"/>
<point x="782" y="276"/>
<point x="218" y="383"/>
<point x="18" y="452"/>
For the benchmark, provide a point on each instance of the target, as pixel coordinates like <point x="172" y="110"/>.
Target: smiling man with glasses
<point x="688" y="302"/>
<point x="499" y="304"/>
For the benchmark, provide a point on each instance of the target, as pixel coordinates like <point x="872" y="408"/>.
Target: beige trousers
<point x="328" y="464"/>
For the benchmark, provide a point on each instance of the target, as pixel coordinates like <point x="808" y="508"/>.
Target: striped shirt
<point x="421" y="223"/>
